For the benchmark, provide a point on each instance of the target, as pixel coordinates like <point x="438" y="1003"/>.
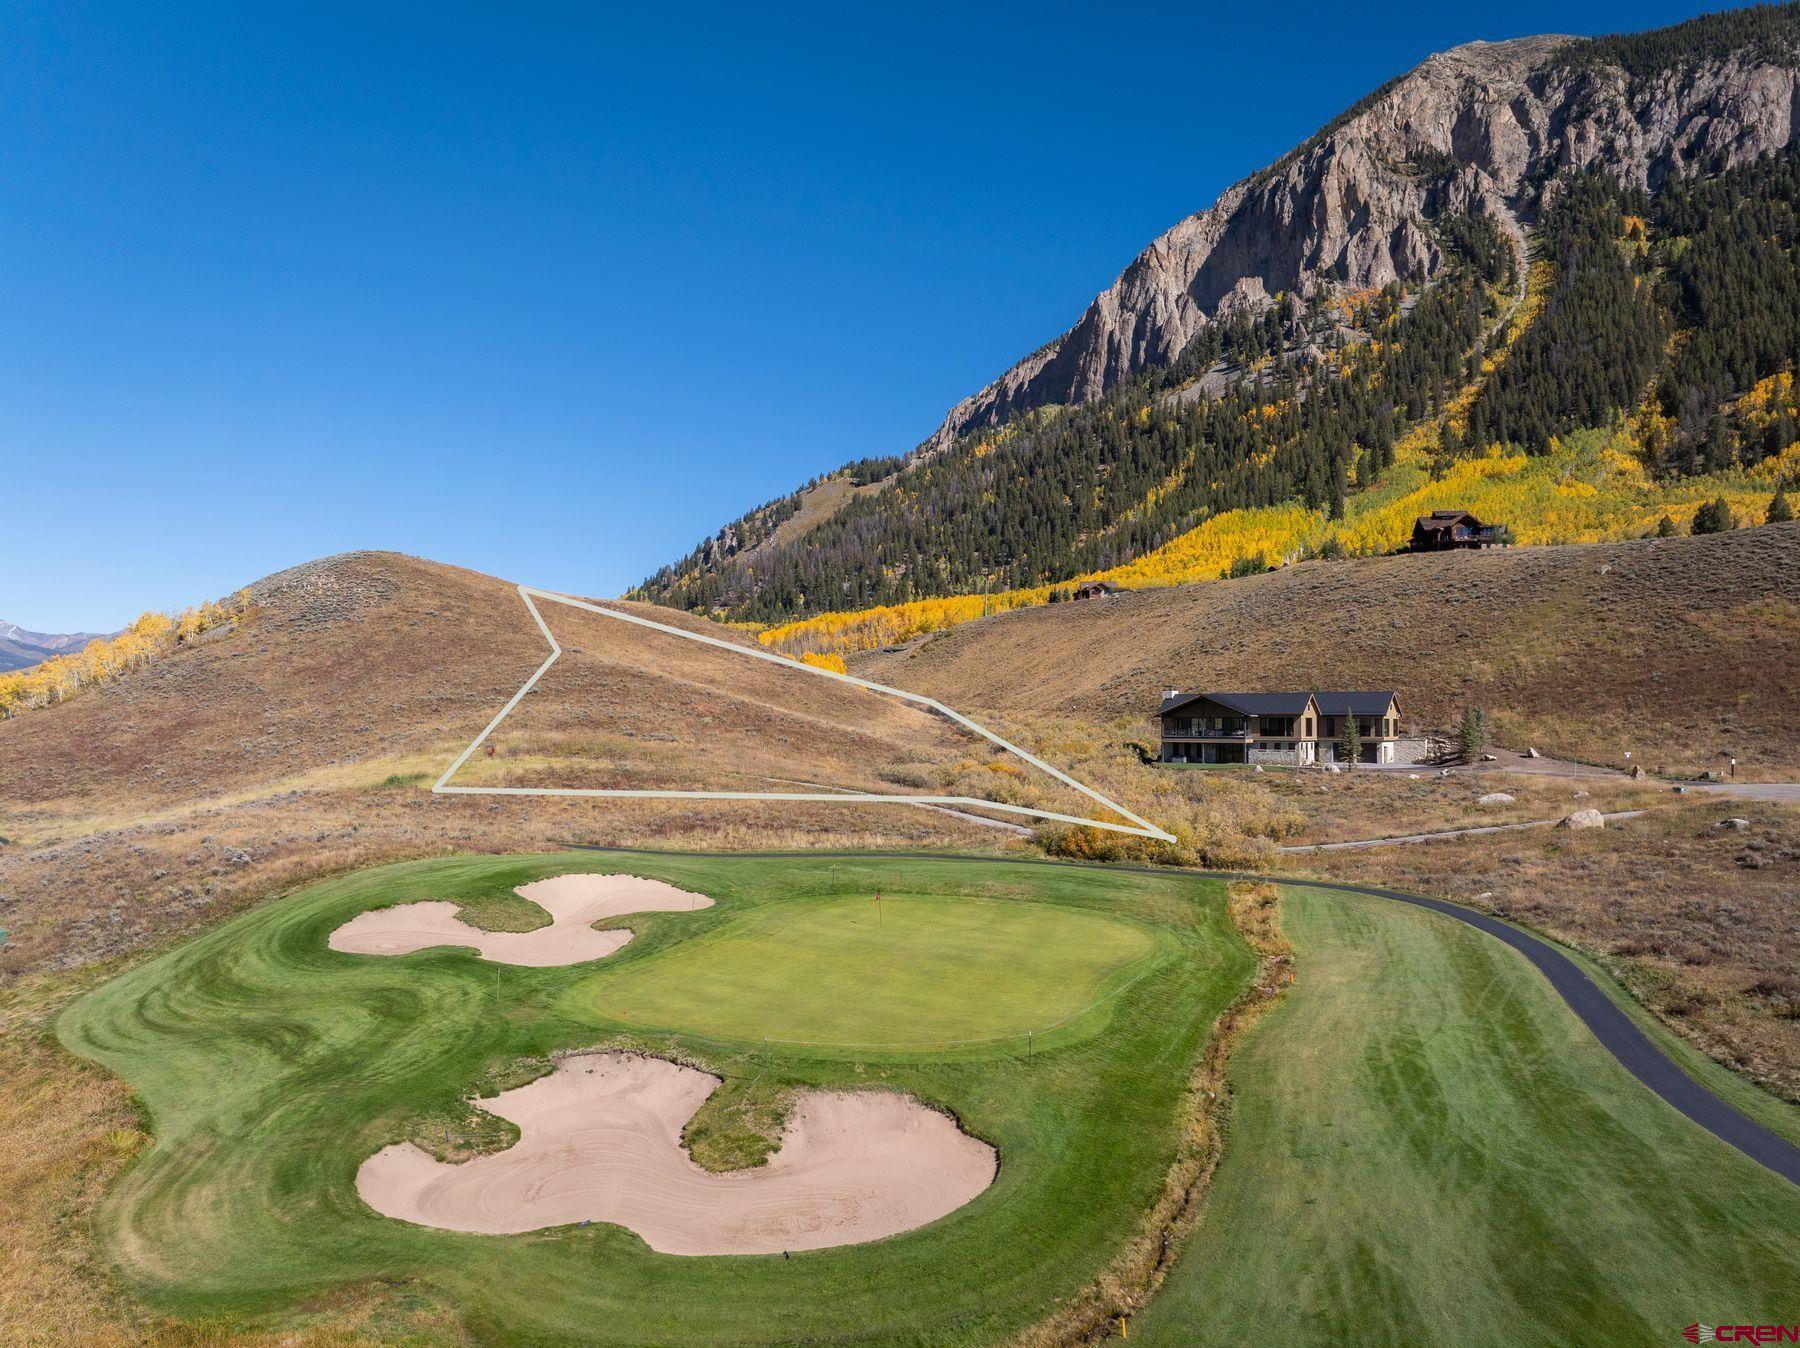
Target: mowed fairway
<point x="909" y="970"/>
<point x="1425" y="1146"/>
<point x="271" y="1067"/>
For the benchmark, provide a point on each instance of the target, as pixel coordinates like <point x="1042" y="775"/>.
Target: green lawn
<point x="911" y="971"/>
<point x="270" y="1067"/>
<point x="1425" y="1146"/>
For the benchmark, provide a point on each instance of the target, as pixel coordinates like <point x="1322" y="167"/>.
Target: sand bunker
<point x="600" y="1140"/>
<point x="574" y="902"/>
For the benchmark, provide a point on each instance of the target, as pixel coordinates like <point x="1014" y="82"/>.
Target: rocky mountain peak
<point x="1480" y="128"/>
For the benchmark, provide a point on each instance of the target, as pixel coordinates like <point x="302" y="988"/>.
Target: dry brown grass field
<point x="1337" y="807"/>
<point x="629" y="707"/>
<point x="1681" y="650"/>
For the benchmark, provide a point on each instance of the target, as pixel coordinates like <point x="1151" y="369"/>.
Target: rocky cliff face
<point x="1478" y="128"/>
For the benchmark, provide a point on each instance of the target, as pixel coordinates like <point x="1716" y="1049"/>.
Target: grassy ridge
<point x="270" y="1067"/>
<point x="1426" y="1146"/>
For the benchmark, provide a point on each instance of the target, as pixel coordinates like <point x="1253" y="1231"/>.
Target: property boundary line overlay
<point x="1139" y="826"/>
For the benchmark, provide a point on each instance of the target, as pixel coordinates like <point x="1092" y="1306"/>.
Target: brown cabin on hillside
<point x="1443" y="530"/>
<point x="1098" y="589"/>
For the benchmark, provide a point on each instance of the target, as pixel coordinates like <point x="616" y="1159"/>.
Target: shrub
<point x="1251" y="565"/>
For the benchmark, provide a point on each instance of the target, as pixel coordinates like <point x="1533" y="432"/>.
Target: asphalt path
<point x="1609" y="1023"/>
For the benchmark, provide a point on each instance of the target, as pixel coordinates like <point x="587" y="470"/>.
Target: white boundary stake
<point x="1139" y="827"/>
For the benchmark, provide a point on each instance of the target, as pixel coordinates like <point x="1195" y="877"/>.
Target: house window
<point x="1309" y="729"/>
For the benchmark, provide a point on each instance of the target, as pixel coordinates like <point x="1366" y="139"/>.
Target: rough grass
<point x="1426" y="1146"/>
<point x="272" y="1066"/>
<point x="1138" y="1271"/>
<point x="740" y="1124"/>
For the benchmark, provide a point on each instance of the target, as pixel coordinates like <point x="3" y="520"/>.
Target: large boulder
<point x="1495" y="798"/>
<point x="1583" y="819"/>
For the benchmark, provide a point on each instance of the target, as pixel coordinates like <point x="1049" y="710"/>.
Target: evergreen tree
<point x="1350" y="742"/>
<point x="1665" y="527"/>
<point x="1714" y="517"/>
<point x="1780" y="512"/>
<point x="1470" y="738"/>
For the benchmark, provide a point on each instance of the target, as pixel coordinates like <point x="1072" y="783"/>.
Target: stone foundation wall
<point x="1416" y="748"/>
<point x="1261" y="754"/>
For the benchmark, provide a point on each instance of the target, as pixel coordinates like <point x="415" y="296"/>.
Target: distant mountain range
<point x="1346" y="309"/>
<point x="19" y="648"/>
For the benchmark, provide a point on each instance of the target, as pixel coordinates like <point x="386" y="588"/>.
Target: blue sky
<point x="553" y="292"/>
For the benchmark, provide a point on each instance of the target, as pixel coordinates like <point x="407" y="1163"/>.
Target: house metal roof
<point x="1439" y="520"/>
<point x="1248" y="704"/>
<point x="1352" y="703"/>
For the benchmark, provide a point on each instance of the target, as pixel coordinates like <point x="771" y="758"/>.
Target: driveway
<point x="1507" y="761"/>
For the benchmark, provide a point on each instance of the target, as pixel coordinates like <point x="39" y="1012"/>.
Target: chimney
<point x="1171" y="692"/>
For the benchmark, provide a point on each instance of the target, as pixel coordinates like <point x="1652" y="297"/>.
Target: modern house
<point x="1287" y="728"/>
<point x="1444" y="530"/>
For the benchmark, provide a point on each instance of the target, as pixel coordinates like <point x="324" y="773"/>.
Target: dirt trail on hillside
<point x="574" y="902"/>
<point x="600" y="1140"/>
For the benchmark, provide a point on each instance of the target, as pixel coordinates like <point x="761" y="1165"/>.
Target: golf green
<point x="271" y="1067"/>
<point x="907" y="970"/>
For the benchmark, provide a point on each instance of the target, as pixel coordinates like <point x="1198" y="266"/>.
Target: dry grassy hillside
<point x="305" y="739"/>
<point x="1679" y="649"/>
<point x="629" y="707"/>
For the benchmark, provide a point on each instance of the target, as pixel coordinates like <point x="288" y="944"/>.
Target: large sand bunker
<point x="574" y="902"/>
<point x="600" y="1140"/>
